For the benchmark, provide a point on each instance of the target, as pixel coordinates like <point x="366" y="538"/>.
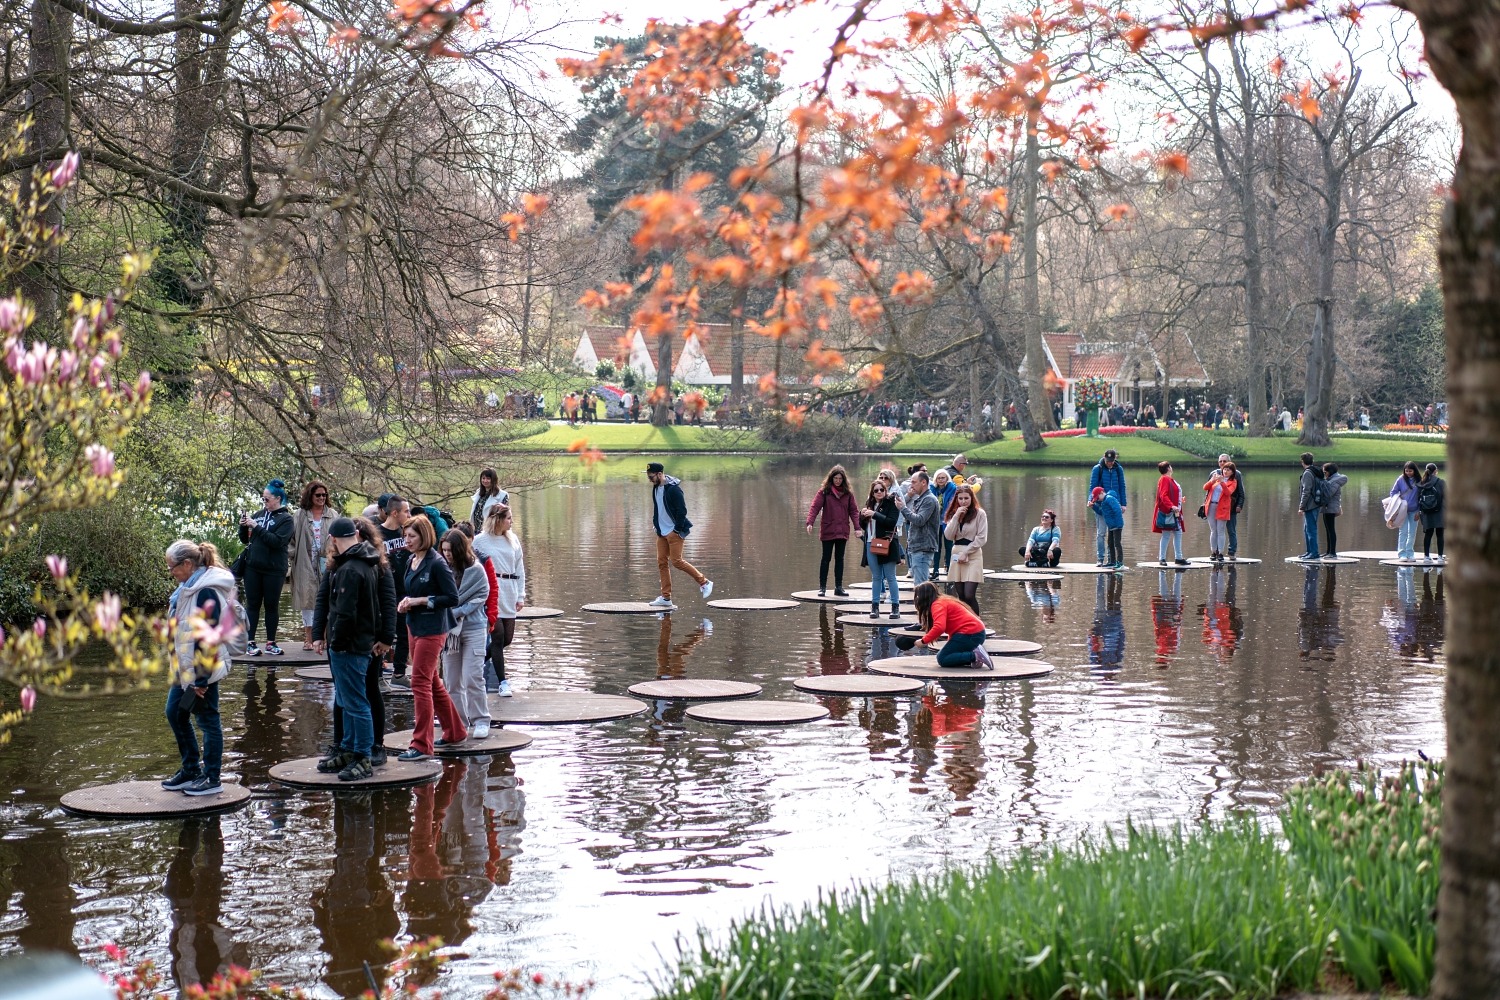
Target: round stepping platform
<point x="148" y="800"/>
<point x="560" y="708"/>
<point x="867" y="685"/>
<point x="882" y="621"/>
<point x="315" y="673"/>
<point x="917" y="631"/>
<point x="1061" y="568"/>
<point x="813" y="597"/>
<point x="1370" y="554"/>
<point x="625" y="608"/>
<point x="693" y="690"/>
<point x="1236" y="561"/>
<point x="1011" y="647"/>
<point x="856" y="608"/>
<point x="295" y="656"/>
<point x="1007" y="668"/>
<point x="753" y="604"/>
<point x="1323" y="561"/>
<point x="1156" y="564"/>
<point x="304" y="773"/>
<point x="759" y="713"/>
<point x="498" y="741"/>
<point x="527" y="613"/>
<point x="1415" y="563"/>
<point x="1028" y="576"/>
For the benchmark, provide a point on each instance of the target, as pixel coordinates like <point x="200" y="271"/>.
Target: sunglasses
<point x="321" y="493"/>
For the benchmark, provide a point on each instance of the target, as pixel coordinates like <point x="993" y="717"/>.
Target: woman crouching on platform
<point x="949" y="616"/>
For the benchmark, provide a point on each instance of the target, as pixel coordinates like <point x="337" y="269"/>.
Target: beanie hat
<point x="1098" y="493"/>
<point x="342" y="528"/>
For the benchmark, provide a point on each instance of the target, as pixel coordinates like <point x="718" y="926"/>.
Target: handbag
<point x="1203" y="512"/>
<point x="880" y="546"/>
<point x="1166" y="521"/>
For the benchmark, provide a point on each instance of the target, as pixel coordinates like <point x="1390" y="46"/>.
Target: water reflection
<point x="1107" y="634"/>
<point x="1166" y="615"/>
<point x="671" y="660"/>
<point x="1318" y="630"/>
<point x="1044" y="596"/>
<point x="36" y="878"/>
<point x="1223" y="623"/>
<point x="1415" y="625"/>
<point x="200" y="944"/>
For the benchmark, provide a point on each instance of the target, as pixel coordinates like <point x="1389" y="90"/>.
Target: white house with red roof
<point x="703" y="358"/>
<point x="1138" y="370"/>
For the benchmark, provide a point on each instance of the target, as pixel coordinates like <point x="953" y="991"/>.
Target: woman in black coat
<point x="878" y="518"/>
<point x="1432" y="504"/>
<point x="263" y="565"/>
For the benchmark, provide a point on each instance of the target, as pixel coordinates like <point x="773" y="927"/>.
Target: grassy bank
<point x="1224" y="910"/>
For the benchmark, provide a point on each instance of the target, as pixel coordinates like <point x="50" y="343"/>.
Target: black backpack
<point x="1429" y="497"/>
<point x="1319" y="493"/>
<point x="1238" y="503"/>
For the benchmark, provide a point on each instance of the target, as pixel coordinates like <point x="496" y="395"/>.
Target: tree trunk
<point x="1031" y="296"/>
<point x="661" y="409"/>
<point x="737" y="351"/>
<point x="1463" y="49"/>
<point x="1317" y="399"/>
<point x="47" y="103"/>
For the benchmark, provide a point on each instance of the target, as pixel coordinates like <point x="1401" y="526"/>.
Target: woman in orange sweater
<point x="951" y="617"/>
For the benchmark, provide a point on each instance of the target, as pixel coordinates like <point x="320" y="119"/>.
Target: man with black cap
<point x="669" y="518"/>
<point x="347" y="623"/>
<point x="393" y="530"/>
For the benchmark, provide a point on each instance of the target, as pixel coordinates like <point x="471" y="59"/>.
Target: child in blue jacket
<point x="1107" y="507"/>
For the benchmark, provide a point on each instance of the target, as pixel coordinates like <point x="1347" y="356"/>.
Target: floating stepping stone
<point x="1323" y="561"/>
<point x="856" y="608"/>
<point x="1370" y="554"/>
<point x="1416" y="563"/>
<point x="813" y="597"/>
<point x="394" y="773"/>
<point x="693" y="690"/>
<point x="148" y="800"/>
<point x="1007" y="668"/>
<point x="917" y="631"/>
<point x="1028" y="576"/>
<point x="498" y="741"/>
<point x="759" y="713"/>
<point x="559" y="708"/>
<point x="880" y="621"/>
<point x="625" y="608"/>
<point x="1236" y="561"/>
<point x="1061" y="568"/>
<point x="867" y="685"/>
<point x="1011" y="647"/>
<point x="753" y="604"/>
<point x="295" y="656"/>
<point x="1156" y="564"/>
<point x="315" y="673"/>
<point x="529" y="613"/>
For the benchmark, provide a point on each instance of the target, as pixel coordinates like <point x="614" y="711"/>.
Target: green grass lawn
<point x="641" y="437"/>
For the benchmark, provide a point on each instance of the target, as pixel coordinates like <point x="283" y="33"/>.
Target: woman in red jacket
<point x="1166" y="520"/>
<point x="1218" y="507"/>
<point x="949" y="616"/>
<point x="840" y="515"/>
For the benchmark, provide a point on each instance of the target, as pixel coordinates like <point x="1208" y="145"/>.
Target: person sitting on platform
<point x="1044" y="546"/>
<point x="942" y="615"/>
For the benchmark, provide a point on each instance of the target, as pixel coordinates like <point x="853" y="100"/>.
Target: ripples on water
<point x="1177" y="696"/>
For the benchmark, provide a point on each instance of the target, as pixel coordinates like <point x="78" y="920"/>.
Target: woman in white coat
<point x="500" y="544"/>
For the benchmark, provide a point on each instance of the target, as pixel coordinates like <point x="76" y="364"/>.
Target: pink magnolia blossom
<point x="214" y="636"/>
<point x="66" y="170"/>
<point x="67" y="366"/>
<point x="81" y="330"/>
<point x="96" y="369"/>
<point x="39" y="627"/>
<point x="57" y="566"/>
<point x="32" y="365"/>
<point x="2" y="636"/>
<point x="10" y="316"/>
<point x="28" y="699"/>
<point x="113" y="346"/>
<point x="101" y="458"/>
<point x="107" y="612"/>
<point x="143" y="384"/>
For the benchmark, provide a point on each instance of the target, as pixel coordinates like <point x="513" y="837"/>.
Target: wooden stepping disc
<point x="753" y="604"/>
<point x="693" y="690"/>
<point x="917" y="631"/>
<point x="1236" y="561"/>
<point x="558" y="708"/>
<point x="1370" y="554"/>
<point x="315" y="673"/>
<point x="625" y="608"/>
<point x="1323" y="561"/>
<point x="813" y="597"/>
<point x="1007" y="668"/>
<point x="1061" y="568"/>
<point x="1028" y="576"/>
<point x="869" y="685"/>
<point x="759" y="713"/>
<point x="1011" y="647"/>
<point x="148" y="800"/>
<point x="1172" y="565"/>
<point x="1416" y="563"/>
<point x="526" y="613"/>
<point x="880" y="621"/>
<point x="304" y="773"/>
<point x="498" y="741"/>
<point x="294" y="656"/>
<point x="856" y="608"/>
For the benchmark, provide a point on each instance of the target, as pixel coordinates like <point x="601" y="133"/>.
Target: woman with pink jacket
<point x="835" y="501"/>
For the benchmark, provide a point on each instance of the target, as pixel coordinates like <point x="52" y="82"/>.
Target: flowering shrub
<point x="1114" y="431"/>
<point x="1093" y="391"/>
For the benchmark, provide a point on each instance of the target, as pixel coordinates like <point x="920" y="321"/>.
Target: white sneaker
<point x="479" y="730"/>
<point x="662" y="602"/>
<point x="504" y="691"/>
<point x="982" y="659"/>
<point x="706" y="589"/>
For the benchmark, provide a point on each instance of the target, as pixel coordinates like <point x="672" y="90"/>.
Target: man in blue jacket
<point x="669" y="518"/>
<point x="1111" y="477"/>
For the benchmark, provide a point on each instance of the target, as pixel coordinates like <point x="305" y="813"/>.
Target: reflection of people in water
<point x="671" y="661"/>
<point x="357" y="910"/>
<point x="1318" y="630"/>
<point x="1044" y="596"/>
<point x="1430" y="625"/>
<point x="199" y="944"/>
<point x="505" y="816"/>
<point x="833" y="658"/>
<point x="1221" y="619"/>
<point x="450" y="853"/>
<point x="1414" y="632"/>
<point x="950" y="720"/>
<point x="1107" y="634"/>
<point x="1166" y="616"/>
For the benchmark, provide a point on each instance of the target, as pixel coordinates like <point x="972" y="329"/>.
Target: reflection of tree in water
<point x="356" y="911"/>
<point x="1223" y="622"/>
<point x="36" y="878"/>
<point x="1107" y="633"/>
<point x="449" y="853"/>
<point x="1416" y="629"/>
<point x="1166" y="615"/>
<point x="199" y="944"/>
<point x="833" y="658"/>
<point x="1318" y="630"/>
<point x="1044" y="596"/>
<point x="949" y="720"/>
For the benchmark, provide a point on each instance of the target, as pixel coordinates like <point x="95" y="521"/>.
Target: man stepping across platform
<point x="669" y="518"/>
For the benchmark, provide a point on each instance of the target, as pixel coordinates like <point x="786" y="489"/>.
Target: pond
<point x="1176" y="697"/>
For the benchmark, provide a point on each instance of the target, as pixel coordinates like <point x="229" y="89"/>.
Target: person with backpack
<point x="1405" y="489"/>
<point x="1333" y="505"/>
<point x="1432" y="501"/>
<point x="266" y="535"/>
<point x="1310" y="499"/>
<point x="205" y="592"/>
<point x="1109" y="476"/>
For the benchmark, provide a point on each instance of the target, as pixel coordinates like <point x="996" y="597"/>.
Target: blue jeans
<point x="1101" y="532"/>
<point x="1234" y="537"/>
<point x="958" y="651"/>
<point x="349" y="691"/>
<point x="206" y="707"/>
<point x="1310" y="533"/>
<point x="921" y="566"/>
<point x="1406" y="536"/>
<point x="1172" y="540"/>
<point x="882" y="579"/>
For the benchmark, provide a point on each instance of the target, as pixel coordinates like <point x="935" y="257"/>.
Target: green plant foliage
<point x="817" y="432"/>
<point x="1204" y="444"/>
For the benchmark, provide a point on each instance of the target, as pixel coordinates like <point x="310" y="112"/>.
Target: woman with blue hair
<point x="266" y="535"/>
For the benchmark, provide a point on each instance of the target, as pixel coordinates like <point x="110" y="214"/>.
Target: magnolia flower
<point x="39" y="627"/>
<point x="81" y="330"/>
<point x="143" y="383"/>
<point x="10" y="316"/>
<point x="66" y="170"/>
<point x="32" y="366"/>
<point x="96" y="369"/>
<point x="101" y="458"/>
<point x="67" y="366"/>
<point x="57" y="566"/>
<point x="107" y="612"/>
<point x="28" y="699"/>
<point x="214" y="636"/>
<point x="113" y="346"/>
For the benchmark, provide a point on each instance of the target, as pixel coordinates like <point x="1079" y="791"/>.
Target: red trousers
<point x="430" y="696"/>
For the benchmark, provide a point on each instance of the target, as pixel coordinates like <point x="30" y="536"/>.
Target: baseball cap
<point x="342" y="528"/>
<point x="655" y="467"/>
<point x="1098" y="493"/>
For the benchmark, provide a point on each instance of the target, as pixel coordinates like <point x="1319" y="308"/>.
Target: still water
<point x="1177" y="697"/>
